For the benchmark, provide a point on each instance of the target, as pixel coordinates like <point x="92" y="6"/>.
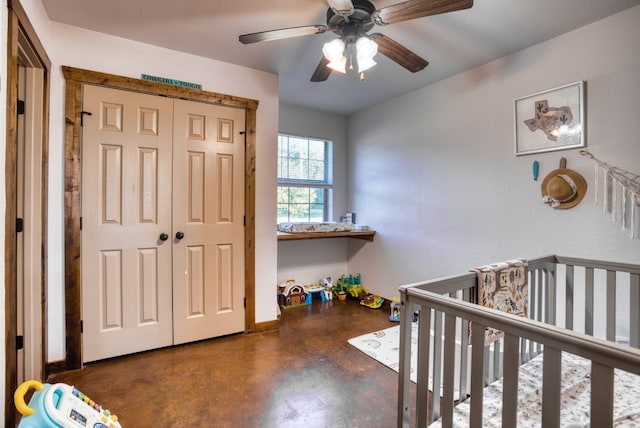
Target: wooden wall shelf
<point x="366" y="235"/>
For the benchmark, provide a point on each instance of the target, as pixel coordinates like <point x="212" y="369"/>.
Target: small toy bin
<point x="60" y="406"/>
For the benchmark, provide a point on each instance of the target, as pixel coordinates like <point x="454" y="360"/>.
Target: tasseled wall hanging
<point x="617" y="181"/>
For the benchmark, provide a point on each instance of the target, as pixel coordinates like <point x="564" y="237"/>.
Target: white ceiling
<point x="452" y="42"/>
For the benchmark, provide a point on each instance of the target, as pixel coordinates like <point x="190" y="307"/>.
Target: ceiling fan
<point x="351" y="20"/>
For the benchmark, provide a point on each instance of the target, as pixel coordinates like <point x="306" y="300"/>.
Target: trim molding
<point x="75" y="78"/>
<point x="267" y="326"/>
<point x="19" y="24"/>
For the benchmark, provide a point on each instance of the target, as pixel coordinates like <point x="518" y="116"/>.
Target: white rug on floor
<point x="384" y="347"/>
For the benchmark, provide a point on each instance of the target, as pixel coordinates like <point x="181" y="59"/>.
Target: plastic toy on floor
<point x="355" y="287"/>
<point x="314" y="289"/>
<point x="372" y="301"/>
<point x="60" y="406"/>
<point x="291" y="294"/>
<point x="327" y="283"/>
<point x="395" y="309"/>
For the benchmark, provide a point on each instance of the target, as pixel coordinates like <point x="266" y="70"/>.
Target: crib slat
<point x="541" y="305"/>
<point x="464" y="352"/>
<point x="551" y="297"/>
<point x="449" y="370"/>
<point x="611" y="305"/>
<point x="424" y="342"/>
<point x="436" y="378"/>
<point x="601" y="395"/>
<point x="497" y="360"/>
<point x="404" y="413"/>
<point x="510" y="382"/>
<point x="588" y="301"/>
<point x="551" y="387"/>
<point x="538" y="297"/>
<point x="477" y="377"/>
<point x="569" y="293"/>
<point x="487" y="366"/>
<point x="634" y="299"/>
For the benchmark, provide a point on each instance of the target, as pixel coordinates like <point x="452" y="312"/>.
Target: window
<point x="304" y="179"/>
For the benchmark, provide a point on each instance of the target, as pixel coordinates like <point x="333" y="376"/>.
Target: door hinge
<point x="81" y="326"/>
<point x="19" y="225"/>
<point x="20" y="107"/>
<point x="19" y="343"/>
<point x="82" y="113"/>
<point x="80" y="223"/>
<point x="244" y="220"/>
<point x="245" y="302"/>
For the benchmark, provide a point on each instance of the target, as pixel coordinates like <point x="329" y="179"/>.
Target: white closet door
<point x="208" y="221"/>
<point x="126" y="207"/>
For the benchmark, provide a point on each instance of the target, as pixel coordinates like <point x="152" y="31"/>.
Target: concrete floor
<point x="303" y="375"/>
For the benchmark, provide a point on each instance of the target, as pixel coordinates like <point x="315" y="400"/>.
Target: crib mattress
<point x="315" y="227"/>
<point x="575" y="389"/>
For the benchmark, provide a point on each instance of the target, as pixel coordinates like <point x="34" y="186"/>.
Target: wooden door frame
<point x="75" y="78"/>
<point x="20" y="30"/>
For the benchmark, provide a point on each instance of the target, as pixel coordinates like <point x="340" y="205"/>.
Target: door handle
<point x="164" y="236"/>
<point x="179" y="235"/>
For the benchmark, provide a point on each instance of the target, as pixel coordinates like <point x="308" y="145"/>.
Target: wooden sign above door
<point x="173" y="82"/>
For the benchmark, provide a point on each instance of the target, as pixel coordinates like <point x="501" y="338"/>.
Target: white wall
<point x="434" y="171"/>
<point x="72" y="46"/>
<point x="308" y="261"/>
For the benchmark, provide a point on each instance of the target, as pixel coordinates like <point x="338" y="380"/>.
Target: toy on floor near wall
<point x="327" y="283"/>
<point x="316" y="289"/>
<point x="60" y="406"/>
<point x="355" y="288"/>
<point x="395" y="309"/>
<point x="291" y="294"/>
<point x="341" y="287"/>
<point x="372" y="301"/>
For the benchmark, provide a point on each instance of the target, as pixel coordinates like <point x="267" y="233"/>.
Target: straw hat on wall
<point x="563" y="188"/>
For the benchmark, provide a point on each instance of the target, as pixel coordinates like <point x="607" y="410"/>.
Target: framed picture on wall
<point x="550" y="120"/>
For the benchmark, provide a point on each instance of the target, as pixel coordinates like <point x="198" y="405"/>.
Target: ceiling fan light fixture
<point x="366" y="49"/>
<point x="339" y="65"/>
<point x="333" y="50"/>
<point x="365" y="64"/>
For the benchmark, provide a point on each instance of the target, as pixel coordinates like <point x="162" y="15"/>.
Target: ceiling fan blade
<point x="322" y="71"/>
<point x="282" y="33"/>
<point x="398" y="53"/>
<point x="413" y="9"/>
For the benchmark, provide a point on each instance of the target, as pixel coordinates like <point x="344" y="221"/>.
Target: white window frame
<point x="325" y="183"/>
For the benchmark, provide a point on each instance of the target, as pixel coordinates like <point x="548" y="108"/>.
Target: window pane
<point x="283" y="195"/>
<point x="298" y="169"/>
<point x="316" y="196"/>
<point x="299" y="212"/>
<point x="316" y="170"/>
<point x="316" y="150"/>
<point x="303" y="164"/>
<point x="283" y="213"/>
<point x="316" y="212"/>
<point x="299" y="195"/>
<point x="283" y="164"/>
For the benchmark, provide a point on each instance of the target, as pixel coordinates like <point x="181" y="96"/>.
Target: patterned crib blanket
<point x="503" y="286"/>
<point x="315" y="227"/>
<point x="575" y="397"/>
